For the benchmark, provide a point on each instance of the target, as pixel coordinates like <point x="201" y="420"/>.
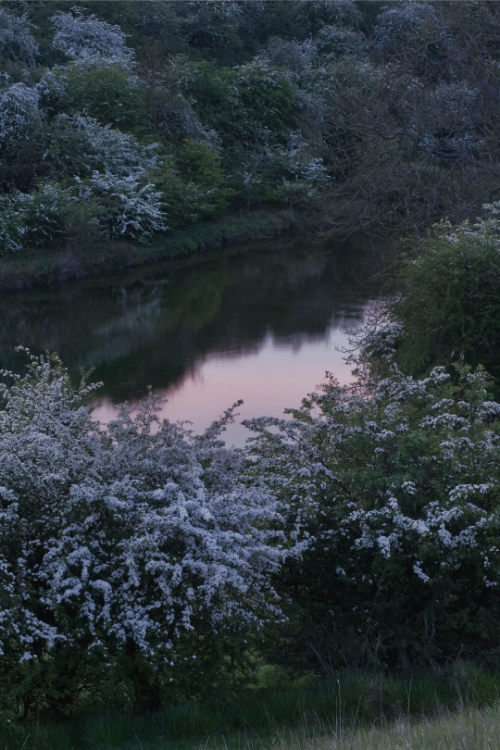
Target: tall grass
<point x="354" y="708"/>
<point x="468" y="730"/>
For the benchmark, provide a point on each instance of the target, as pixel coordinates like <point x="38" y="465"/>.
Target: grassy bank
<point x="351" y="711"/>
<point x="44" y="267"/>
<point x="466" y="730"/>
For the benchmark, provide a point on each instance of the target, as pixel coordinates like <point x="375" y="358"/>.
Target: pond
<point x="261" y="322"/>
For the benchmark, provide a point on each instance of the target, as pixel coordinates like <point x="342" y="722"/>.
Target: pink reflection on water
<point x="277" y="376"/>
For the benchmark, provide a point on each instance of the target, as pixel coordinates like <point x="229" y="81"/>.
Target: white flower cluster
<point x="107" y="149"/>
<point x="16" y="40"/>
<point x="407" y="472"/>
<point x="133" y="209"/>
<point x="404" y="23"/>
<point x="128" y="205"/>
<point x="83" y="37"/>
<point x="483" y="233"/>
<point x="143" y="532"/>
<point x="19" y="112"/>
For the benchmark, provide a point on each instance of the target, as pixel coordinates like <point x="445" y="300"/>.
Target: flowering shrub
<point x="105" y="206"/>
<point x="338" y="43"/>
<point x="141" y="550"/>
<point x="16" y="40"/>
<point x="393" y="486"/>
<point x="90" y="146"/>
<point x="52" y="91"/>
<point x="33" y="220"/>
<point x="293" y="55"/>
<point x="130" y="538"/>
<point x="132" y="208"/>
<point x="304" y="174"/>
<point x="403" y="23"/>
<point x="19" y="112"/>
<point x="86" y="37"/>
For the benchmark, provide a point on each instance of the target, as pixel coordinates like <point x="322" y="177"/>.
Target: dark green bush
<point x="449" y="304"/>
<point x="108" y="94"/>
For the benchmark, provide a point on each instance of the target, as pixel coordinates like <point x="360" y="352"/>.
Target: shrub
<point x="135" y="543"/>
<point x="80" y="145"/>
<point x="16" y="40"/>
<point x="105" y="205"/>
<point x="267" y="96"/>
<point x="19" y="112"/>
<point x="33" y="221"/>
<point x="132" y="207"/>
<point x="449" y="305"/>
<point x="108" y="93"/>
<point x="391" y="486"/>
<point x="86" y="37"/>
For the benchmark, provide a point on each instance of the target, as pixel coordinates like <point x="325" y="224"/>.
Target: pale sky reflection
<point x="277" y="376"/>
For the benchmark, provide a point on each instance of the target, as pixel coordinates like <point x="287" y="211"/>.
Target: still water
<point x="261" y="323"/>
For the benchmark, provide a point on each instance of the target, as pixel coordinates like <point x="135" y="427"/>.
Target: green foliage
<point x="246" y="106"/>
<point x="198" y="163"/>
<point x="449" y="303"/>
<point x="268" y="96"/>
<point x="108" y="93"/>
<point x="34" y="221"/>
<point x="192" y="185"/>
<point x="22" y="167"/>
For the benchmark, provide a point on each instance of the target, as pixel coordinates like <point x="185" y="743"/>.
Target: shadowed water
<point x="260" y="323"/>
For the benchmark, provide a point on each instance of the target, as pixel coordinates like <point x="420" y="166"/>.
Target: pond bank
<point x="44" y="267"/>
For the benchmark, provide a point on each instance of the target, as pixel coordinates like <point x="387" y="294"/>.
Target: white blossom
<point x="144" y="531"/>
<point x="19" y="112"/>
<point x="81" y="37"/>
<point x="335" y="459"/>
<point x="296" y="56"/>
<point x="404" y="23"/>
<point x="16" y="40"/>
<point x="107" y="149"/>
<point x="134" y="208"/>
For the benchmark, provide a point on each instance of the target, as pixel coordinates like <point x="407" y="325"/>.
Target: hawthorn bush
<point x="389" y="489"/>
<point x="128" y="555"/>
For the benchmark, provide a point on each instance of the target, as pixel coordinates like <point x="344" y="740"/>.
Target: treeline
<point x="123" y="120"/>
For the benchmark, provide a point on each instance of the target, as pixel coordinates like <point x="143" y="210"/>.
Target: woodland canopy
<point x="129" y="119"/>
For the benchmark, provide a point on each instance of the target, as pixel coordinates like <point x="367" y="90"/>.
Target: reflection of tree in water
<point x="153" y="325"/>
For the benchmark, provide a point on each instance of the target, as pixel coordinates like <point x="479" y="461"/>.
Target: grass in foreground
<point x="466" y="730"/>
<point x="354" y="711"/>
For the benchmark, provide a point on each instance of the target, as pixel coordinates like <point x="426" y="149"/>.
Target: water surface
<point x="261" y="322"/>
